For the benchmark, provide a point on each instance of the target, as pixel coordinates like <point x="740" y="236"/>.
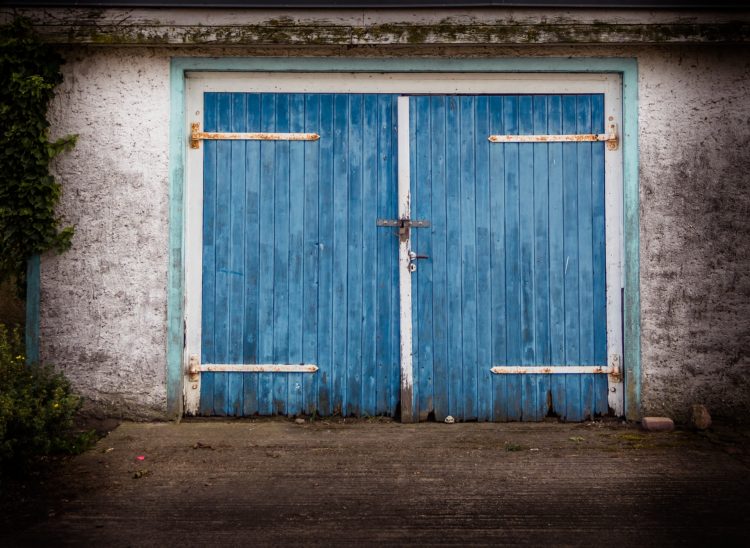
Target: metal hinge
<point x="196" y="136"/>
<point x="194" y="368"/>
<point x="610" y="138"/>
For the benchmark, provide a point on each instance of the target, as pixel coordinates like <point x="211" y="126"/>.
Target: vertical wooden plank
<point x="570" y="235"/>
<point x="556" y="255"/>
<point x="223" y="267"/>
<point x="266" y="259"/>
<point x="281" y="257"/>
<point x="370" y="269"/>
<point x="497" y="261"/>
<point x="438" y="257"/>
<point x="310" y="249"/>
<point x="601" y="405"/>
<point x="467" y="171"/>
<point x="208" y="289"/>
<point x="395" y="381"/>
<point x="252" y="254"/>
<point x="386" y="251"/>
<point x="541" y="256"/>
<point x="512" y="257"/>
<point x="236" y="268"/>
<point x="340" y="235"/>
<point x="296" y="250"/>
<point x="326" y="362"/>
<point x="354" y="260"/>
<point x="526" y="231"/>
<point x="422" y="245"/>
<point x="483" y="261"/>
<point x="585" y="261"/>
<point x="453" y="263"/>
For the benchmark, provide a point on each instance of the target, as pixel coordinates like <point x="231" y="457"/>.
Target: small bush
<point x="37" y="408"/>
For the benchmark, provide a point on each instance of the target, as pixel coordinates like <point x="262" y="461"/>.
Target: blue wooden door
<point x="516" y="268"/>
<point x="294" y="268"/>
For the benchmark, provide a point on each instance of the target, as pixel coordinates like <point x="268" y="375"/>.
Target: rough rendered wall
<point x="104" y="302"/>
<point x="695" y="227"/>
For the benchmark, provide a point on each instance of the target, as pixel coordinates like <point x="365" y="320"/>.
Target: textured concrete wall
<point x="104" y="302"/>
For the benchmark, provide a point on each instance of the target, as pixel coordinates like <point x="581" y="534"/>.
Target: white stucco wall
<point x="104" y="302"/>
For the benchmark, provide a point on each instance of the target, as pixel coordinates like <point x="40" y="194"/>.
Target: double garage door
<point x="427" y="252"/>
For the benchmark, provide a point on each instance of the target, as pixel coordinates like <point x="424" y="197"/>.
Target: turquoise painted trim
<point x="628" y="68"/>
<point x="176" y="270"/>
<point x="33" y="300"/>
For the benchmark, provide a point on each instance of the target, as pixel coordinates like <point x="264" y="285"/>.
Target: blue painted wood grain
<point x="296" y="269"/>
<point x="516" y="270"/>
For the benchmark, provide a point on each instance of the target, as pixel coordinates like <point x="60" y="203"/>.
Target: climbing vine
<point x="29" y="72"/>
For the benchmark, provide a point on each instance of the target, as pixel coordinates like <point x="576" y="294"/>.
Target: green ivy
<point x="29" y="194"/>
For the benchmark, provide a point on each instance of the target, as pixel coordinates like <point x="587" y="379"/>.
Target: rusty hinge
<point x="610" y="138"/>
<point x="196" y="136"/>
<point x="194" y="368"/>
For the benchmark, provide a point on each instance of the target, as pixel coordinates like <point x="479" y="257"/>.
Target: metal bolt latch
<point x="194" y="368"/>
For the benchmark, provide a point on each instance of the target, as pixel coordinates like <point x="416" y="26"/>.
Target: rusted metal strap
<point x="196" y="136"/>
<point x="610" y="138"/>
<point x="258" y="368"/>
<point x="551" y="369"/>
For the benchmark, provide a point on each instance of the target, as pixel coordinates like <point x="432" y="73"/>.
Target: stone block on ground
<point x="700" y="418"/>
<point x="657" y="424"/>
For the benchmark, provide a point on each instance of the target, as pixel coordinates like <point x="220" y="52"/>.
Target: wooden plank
<point x="371" y="271"/>
<point x="526" y="247"/>
<point x="438" y="181"/>
<point x="601" y="405"/>
<point x="571" y="267"/>
<point x="252" y="255"/>
<point x="497" y="262"/>
<point x="266" y="256"/>
<point x="394" y="384"/>
<point x="354" y="259"/>
<point x="556" y="255"/>
<point x="340" y="231"/>
<point x="453" y="263"/>
<point x="585" y="242"/>
<point x="208" y="277"/>
<point x="405" y="281"/>
<point x="236" y="267"/>
<point x="467" y="181"/>
<point x="296" y="250"/>
<point x="281" y="256"/>
<point x="311" y="253"/>
<point x="386" y="250"/>
<point x="326" y="227"/>
<point x="223" y="270"/>
<point x="541" y="256"/>
<point x="483" y="258"/>
<point x="468" y="288"/>
<point x="512" y="257"/>
<point x="422" y="245"/>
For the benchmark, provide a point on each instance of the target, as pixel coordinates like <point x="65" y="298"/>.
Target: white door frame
<point x="609" y="84"/>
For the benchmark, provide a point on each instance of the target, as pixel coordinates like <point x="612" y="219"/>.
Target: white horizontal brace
<point x="553" y="369"/>
<point x="610" y="138"/>
<point x="258" y="368"/>
<point x="196" y="136"/>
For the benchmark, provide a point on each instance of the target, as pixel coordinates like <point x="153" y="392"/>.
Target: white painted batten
<point x="258" y="368"/>
<point x="404" y="260"/>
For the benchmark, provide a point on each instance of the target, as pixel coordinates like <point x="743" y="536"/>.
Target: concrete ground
<point x="344" y="482"/>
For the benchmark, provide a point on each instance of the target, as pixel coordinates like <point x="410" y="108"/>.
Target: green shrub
<point x="37" y="408"/>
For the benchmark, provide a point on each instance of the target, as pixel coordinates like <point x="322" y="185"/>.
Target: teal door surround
<point x="626" y="67"/>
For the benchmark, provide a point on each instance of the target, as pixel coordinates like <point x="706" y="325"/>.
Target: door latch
<point x="413" y="257"/>
<point x="194" y="368"/>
